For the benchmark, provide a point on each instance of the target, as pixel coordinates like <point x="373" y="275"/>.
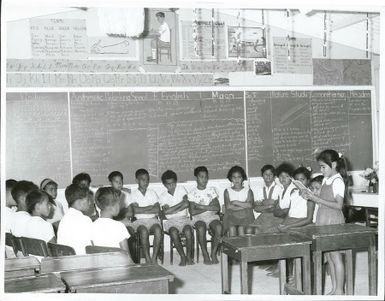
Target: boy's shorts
<point x="178" y="223"/>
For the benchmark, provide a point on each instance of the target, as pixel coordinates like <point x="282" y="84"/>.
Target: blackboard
<point x="157" y="131"/>
<point x="59" y="134"/>
<point x="37" y="140"/>
<point x="293" y="126"/>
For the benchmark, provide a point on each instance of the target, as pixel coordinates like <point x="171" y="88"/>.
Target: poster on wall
<point x="59" y="38"/>
<point x="246" y="42"/>
<point x="201" y="46"/>
<point x="113" y="47"/>
<point x="292" y="55"/>
<point x="159" y="45"/>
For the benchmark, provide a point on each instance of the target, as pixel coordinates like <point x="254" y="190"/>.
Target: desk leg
<point x="317" y="270"/>
<point x="244" y="277"/>
<point x="372" y="267"/>
<point x="225" y="273"/>
<point x="282" y="276"/>
<point x="349" y="272"/>
<point x="307" y="274"/>
<point x="298" y="273"/>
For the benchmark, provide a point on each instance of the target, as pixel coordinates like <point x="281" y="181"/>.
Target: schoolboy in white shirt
<point x="75" y="227"/>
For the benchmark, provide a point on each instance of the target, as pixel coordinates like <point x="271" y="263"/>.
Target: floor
<point x="206" y="279"/>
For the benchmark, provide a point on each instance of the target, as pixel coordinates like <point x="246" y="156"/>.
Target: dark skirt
<point x="242" y="217"/>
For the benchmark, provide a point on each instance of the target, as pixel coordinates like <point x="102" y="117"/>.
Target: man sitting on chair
<point x="162" y="36"/>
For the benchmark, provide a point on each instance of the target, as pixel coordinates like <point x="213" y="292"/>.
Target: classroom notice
<point x="293" y="55"/>
<point x="246" y="42"/>
<point x="59" y="38"/>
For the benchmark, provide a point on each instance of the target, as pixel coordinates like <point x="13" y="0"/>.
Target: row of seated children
<point x="281" y="207"/>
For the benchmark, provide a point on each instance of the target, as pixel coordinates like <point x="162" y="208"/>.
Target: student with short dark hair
<point x="75" y="227"/>
<point x="18" y="224"/>
<point x="146" y="208"/>
<point x="84" y="180"/>
<point x="106" y="231"/>
<point x="204" y="206"/>
<point x="39" y="207"/>
<point x="175" y="206"/>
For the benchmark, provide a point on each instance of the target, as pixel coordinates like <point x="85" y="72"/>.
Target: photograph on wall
<point x="246" y="42"/>
<point x="159" y="45"/>
<point x="262" y="67"/>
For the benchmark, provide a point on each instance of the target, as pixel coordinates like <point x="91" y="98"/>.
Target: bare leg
<point x="188" y="232"/>
<point x="158" y="235"/>
<point x="241" y="230"/>
<point x="339" y="272"/>
<point x="216" y="230"/>
<point x="143" y="233"/>
<point x="174" y="234"/>
<point x="232" y="231"/>
<point x="332" y="274"/>
<point x="201" y="227"/>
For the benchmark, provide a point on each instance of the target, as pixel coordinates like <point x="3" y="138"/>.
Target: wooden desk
<point x="38" y="284"/>
<point x="139" y="279"/>
<point x="341" y="237"/>
<point x="88" y="261"/>
<point x="21" y="266"/>
<point x="266" y="247"/>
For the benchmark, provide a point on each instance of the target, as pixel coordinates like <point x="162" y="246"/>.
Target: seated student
<point x="39" y="206"/>
<point x="265" y="199"/>
<point x="57" y="210"/>
<point x="239" y="204"/>
<point x="18" y="225"/>
<point x="175" y="206"/>
<point x="124" y="195"/>
<point x="204" y="206"/>
<point x="145" y="205"/>
<point x="301" y="211"/>
<point x="105" y="231"/>
<point x="84" y="180"/>
<point x="10" y="204"/>
<point x="75" y="227"/>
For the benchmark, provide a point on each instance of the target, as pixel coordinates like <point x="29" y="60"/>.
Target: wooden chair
<point x="33" y="246"/>
<point x="102" y="249"/>
<point x="57" y="250"/>
<point x="10" y="241"/>
<point x="163" y="50"/>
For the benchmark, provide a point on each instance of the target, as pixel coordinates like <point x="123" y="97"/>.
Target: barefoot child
<point x="330" y="202"/>
<point x="175" y="206"/>
<point x="204" y="205"/>
<point x="57" y="210"/>
<point x="146" y="208"/>
<point x="124" y="195"/>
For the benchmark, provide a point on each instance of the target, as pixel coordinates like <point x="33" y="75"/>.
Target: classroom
<point x="198" y="150"/>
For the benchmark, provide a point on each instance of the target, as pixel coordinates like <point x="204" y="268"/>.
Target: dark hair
<point x="81" y="177"/>
<point x="9" y="184"/>
<point x="286" y="168"/>
<point x="74" y="192"/>
<point x="329" y="156"/>
<point x="35" y="197"/>
<point x="140" y="172"/>
<point x="199" y="169"/>
<point x="169" y="174"/>
<point x="105" y="197"/>
<point x="22" y="188"/>
<point x="317" y="179"/>
<point x="304" y="171"/>
<point x="160" y="14"/>
<point x="267" y="167"/>
<point x="115" y="174"/>
<point x="234" y="169"/>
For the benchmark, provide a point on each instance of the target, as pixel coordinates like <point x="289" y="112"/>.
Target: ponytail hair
<point x="328" y="156"/>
